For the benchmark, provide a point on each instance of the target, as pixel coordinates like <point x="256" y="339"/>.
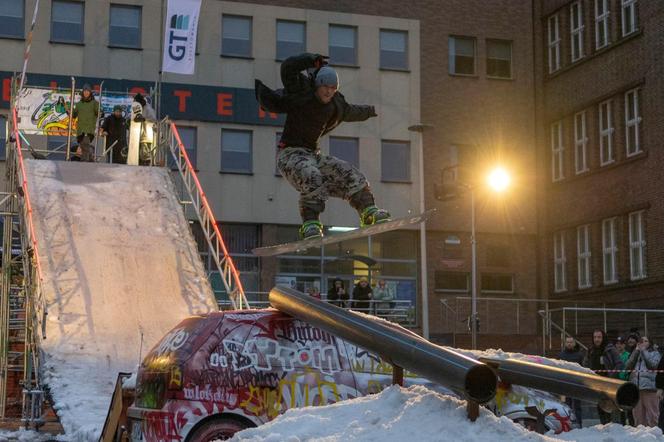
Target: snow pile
<point x="120" y="270"/>
<point x="416" y="414"/>
<point x="29" y="436"/>
<point x="500" y="354"/>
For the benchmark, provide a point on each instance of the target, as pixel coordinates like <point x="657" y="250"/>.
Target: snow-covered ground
<point x="418" y="414"/>
<point x="120" y="270"/>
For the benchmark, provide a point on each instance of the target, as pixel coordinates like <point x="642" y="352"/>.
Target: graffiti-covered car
<point x="214" y="375"/>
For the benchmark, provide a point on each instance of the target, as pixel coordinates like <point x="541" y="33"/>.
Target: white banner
<point x="180" y="36"/>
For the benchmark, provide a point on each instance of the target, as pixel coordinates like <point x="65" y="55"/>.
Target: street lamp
<point x="497" y="180"/>
<point x="420" y="128"/>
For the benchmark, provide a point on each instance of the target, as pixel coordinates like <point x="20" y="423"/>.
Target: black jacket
<point x="117" y="130"/>
<point x="602" y="358"/>
<point x="575" y="355"/>
<point x="307" y="118"/>
<point x="659" y="379"/>
<point x="337" y="294"/>
<point x="362" y="293"/>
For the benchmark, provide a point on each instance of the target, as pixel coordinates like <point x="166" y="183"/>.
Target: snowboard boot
<point x="311" y="229"/>
<point x="373" y="215"/>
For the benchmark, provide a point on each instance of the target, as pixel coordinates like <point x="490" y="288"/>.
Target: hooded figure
<point x="337" y="293"/>
<point x="87" y="112"/>
<point x="114" y="129"/>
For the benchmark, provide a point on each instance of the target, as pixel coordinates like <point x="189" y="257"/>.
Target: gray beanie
<point x="327" y="76"/>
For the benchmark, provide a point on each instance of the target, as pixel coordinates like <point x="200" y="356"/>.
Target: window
<point x="67" y="21"/>
<point x="557" y="151"/>
<point x="451" y="281"/>
<point x="583" y="256"/>
<point x="499" y="58"/>
<point x="395" y="161"/>
<point x="628" y="16"/>
<point x="580" y="142"/>
<point x="290" y="38"/>
<point x="498" y="283"/>
<point x="462" y="55"/>
<point x="12" y="18"/>
<point x="125" y="26"/>
<point x="637" y="246"/>
<point x="236" y="36"/>
<point x="554" y="44"/>
<point x="188" y="136"/>
<point x="236" y="154"/>
<point x="576" y="30"/>
<point x="393" y="49"/>
<point x="3" y="138"/>
<point x="601" y="23"/>
<point x="609" y="251"/>
<point x="632" y="122"/>
<point x="559" y="262"/>
<point x="343" y="45"/>
<point x="347" y="149"/>
<point x="605" y="133"/>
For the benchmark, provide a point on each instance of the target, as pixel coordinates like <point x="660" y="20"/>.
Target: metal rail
<point x="199" y="202"/>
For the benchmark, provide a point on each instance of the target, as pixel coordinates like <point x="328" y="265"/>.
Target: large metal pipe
<point x="466" y="376"/>
<point x="609" y="393"/>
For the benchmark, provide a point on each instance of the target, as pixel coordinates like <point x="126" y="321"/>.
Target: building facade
<point x="599" y="141"/>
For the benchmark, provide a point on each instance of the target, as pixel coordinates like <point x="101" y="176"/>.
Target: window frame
<point x="584" y="257"/>
<point x="554" y="44"/>
<point x="16" y="37"/>
<point x="357" y="145"/>
<point x="188" y="149"/>
<point x="637" y="243"/>
<point x="602" y="20"/>
<point x="251" y="36"/>
<point x="557" y="152"/>
<point x="453" y="54"/>
<point x="406" y="53"/>
<point x="633" y="25"/>
<point x="609" y="251"/>
<point x="576" y="31"/>
<point x="606" y="132"/>
<point x="511" y="45"/>
<point x="580" y="143"/>
<point x="354" y="63"/>
<point x="140" y="25"/>
<point x="451" y="290"/>
<point x="251" y="152"/>
<point x="82" y="24"/>
<point x="632" y="123"/>
<point x="559" y="262"/>
<point x="276" y="40"/>
<point x="407" y="180"/>
<point x="483" y="290"/>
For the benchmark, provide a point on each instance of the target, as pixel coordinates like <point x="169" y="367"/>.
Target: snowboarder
<point x="87" y="111"/>
<point x="314" y="106"/>
<point x="114" y="128"/>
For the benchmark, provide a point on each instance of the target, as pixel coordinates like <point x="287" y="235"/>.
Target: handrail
<point x="225" y="265"/>
<point x="542" y="313"/>
<point x="602" y="309"/>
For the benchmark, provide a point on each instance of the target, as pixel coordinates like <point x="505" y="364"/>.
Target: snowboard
<point x="304" y="244"/>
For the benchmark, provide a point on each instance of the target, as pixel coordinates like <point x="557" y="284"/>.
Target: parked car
<point x="214" y="375"/>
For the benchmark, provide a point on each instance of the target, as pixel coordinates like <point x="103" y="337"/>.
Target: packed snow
<point x="120" y="269"/>
<point x="418" y="414"/>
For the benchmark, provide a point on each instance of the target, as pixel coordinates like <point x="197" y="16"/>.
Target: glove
<point x="372" y="112"/>
<point x="320" y="61"/>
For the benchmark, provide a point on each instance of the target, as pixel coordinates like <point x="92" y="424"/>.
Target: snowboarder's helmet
<point x="327" y="76"/>
<point x="86" y="87"/>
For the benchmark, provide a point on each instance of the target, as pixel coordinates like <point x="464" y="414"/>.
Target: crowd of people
<point x="361" y="297"/>
<point x="633" y="358"/>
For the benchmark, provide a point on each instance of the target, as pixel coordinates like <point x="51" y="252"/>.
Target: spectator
<point x="337" y="294"/>
<point x="626" y="417"/>
<point x="603" y="358"/>
<point x="659" y="383"/>
<point x="313" y="292"/>
<point x="361" y="295"/>
<point x="643" y="361"/>
<point x="385" y="295"/>
<point x="632" y="340"/>
<point x="87" y="111"/>
<point x="114" y="128"/>
<point x="572" y="353"/>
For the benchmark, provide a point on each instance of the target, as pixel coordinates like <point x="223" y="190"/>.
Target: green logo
<point x="179" y="22"/>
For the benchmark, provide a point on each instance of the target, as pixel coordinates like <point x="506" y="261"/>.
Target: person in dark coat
<point x="572" y="353"/>
<point x="314" y="107"/>
<point x="337" y="293"/>
<point x="659" y="383"/>
<point x="114" y="128"/>
<point x="603" y="359"/>
<point x="362" y="293"/>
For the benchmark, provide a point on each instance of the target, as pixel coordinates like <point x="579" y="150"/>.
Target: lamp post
<point x="420" y="128"/>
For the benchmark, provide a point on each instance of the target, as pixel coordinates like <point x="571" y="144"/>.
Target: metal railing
<point x="230" y="277"/>
<point x="580" y="322"/>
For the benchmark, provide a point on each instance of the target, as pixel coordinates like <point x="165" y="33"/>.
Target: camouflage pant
<point x="318" y="177"/>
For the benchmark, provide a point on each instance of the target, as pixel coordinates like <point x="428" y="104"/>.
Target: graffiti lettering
<point x="172" y="341"/>
<point x="163" y="426"/>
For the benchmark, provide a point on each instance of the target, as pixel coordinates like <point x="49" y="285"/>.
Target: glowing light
<point x="499" y="179"/>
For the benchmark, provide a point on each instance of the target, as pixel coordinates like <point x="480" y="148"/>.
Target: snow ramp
<point x="120" y="268"/>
